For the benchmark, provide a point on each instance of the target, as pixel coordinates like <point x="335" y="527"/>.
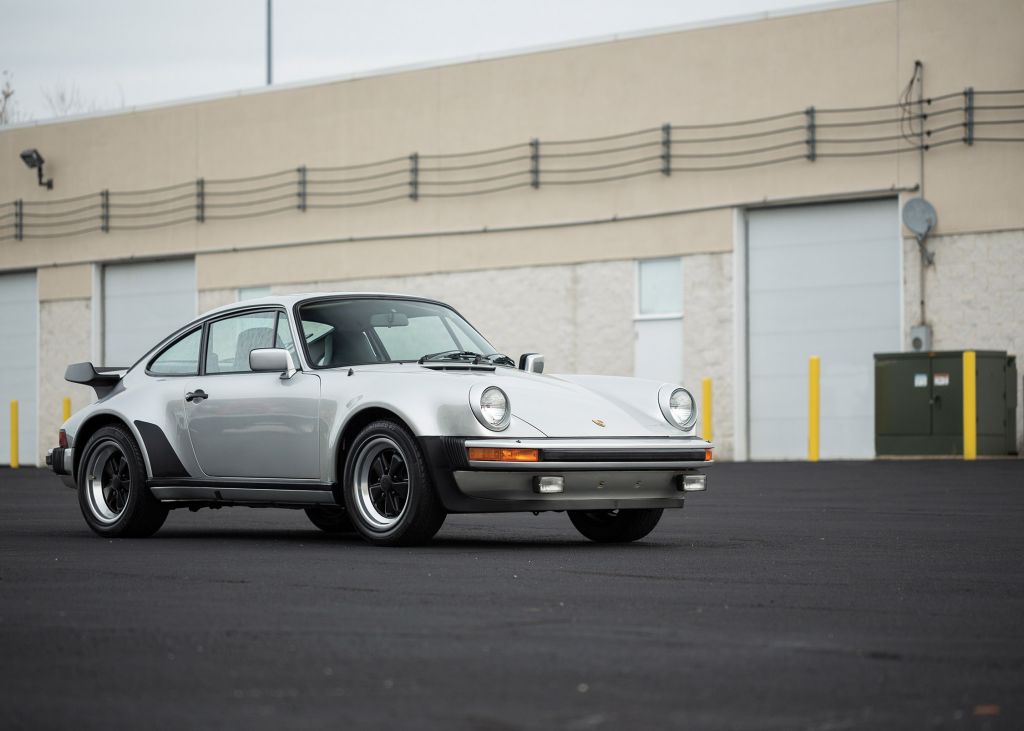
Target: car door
<point x="246" y="424"/>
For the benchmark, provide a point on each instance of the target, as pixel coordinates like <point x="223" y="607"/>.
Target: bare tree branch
<point x="9" y="113"/>
<point x="64" y="100"/>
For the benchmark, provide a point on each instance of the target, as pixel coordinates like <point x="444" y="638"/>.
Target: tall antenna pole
<point x="270" y="45"/>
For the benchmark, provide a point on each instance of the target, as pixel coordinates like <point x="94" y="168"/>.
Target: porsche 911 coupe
<point x="377" y="414"/>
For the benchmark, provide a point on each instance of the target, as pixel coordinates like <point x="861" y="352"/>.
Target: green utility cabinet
<point x="919" y="403"/>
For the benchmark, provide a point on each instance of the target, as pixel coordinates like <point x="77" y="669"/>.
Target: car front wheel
<point x="112" y="489"/>
<point x="388" y="491"/>
<point x="615" y="526"/>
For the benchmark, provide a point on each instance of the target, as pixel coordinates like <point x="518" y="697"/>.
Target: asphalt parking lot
<point x="790" y="596"/>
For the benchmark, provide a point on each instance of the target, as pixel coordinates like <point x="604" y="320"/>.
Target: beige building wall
<point x="509" y="260"/>
<point x="848" y="56"/>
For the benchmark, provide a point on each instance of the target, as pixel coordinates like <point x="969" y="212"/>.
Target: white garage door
<point x="144" y="303"/>
<point x="18" y="378"/>
<point x="823" y="280"/>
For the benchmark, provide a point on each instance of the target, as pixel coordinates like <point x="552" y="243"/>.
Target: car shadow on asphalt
<point x="301" y="537"/>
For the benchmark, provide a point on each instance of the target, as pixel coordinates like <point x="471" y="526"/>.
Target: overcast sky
<point x="116" y="53"/>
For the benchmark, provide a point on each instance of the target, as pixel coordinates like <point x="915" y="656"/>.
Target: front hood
<point x="562" y="405"/>
<point x="587" y="406"/>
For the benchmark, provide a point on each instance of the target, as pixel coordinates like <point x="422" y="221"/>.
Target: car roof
<point x="287" y="300"/>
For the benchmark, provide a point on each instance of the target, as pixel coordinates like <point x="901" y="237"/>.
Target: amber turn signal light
<point x="707" y="455"/>
<point x="502" y="454"/>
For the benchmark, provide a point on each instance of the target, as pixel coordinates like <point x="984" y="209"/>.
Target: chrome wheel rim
<point x="381" y="483"/>
<point x="107" y="482"/>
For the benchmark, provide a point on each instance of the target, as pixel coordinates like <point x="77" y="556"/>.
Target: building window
<point x="660" y="287"/>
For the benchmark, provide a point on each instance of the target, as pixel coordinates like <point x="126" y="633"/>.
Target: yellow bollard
<point x="970" y="406"/>
<point x="14" y="435"/>
<point x="813" y="407"/>
<point x="706" y="416"/>
<point x="67" y="408"/>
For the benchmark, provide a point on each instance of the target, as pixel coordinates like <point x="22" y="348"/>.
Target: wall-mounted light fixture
<point x="33" y="159"/>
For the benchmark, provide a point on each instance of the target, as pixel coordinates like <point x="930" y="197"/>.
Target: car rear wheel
<point x="112" y="489"/>
<point x="615" y="526"/>
<point x="330" y="520"/>
<point x="388" y="491"/>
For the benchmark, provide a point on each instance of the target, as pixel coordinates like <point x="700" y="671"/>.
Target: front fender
<point x="428" y="403"/>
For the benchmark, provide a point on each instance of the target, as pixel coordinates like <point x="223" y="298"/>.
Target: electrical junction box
<point x="919" y="406"/>
<point x="921" y="338"/>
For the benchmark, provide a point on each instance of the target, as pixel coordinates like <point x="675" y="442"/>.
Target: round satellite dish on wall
<point x="919" y="216"/>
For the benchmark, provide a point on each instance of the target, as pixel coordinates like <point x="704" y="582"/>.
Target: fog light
<point x="693" y="483"/>
<point x="546" y="485"/>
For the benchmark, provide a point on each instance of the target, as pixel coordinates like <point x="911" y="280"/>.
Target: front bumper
<point x="62" y="460"/>
<point x="595" y="474"/>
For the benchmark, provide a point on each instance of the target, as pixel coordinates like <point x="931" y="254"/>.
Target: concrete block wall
<point x="708" y="340"/>
<point x="579" y="316"/>
<point x="974" y="296"/>
<point x="65" y="336"/>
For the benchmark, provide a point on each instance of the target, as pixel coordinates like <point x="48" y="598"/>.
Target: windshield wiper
<point x="496" y="358"/>
<point x="500" y="359"/>
<point x="452" y="355"/>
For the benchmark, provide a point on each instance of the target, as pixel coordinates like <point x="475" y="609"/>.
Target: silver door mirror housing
<point x="272" y="360"/>
<point x="531" y="362"/>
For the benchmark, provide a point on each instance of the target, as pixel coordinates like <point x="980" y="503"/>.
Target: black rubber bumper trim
<point x="55" y="461"/>
<point x="439" y="463"/>
<point x="622" y="455"/>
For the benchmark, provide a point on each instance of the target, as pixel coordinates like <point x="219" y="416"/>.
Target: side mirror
<point x="272" y="360"/>
<point x="531" y="362"/>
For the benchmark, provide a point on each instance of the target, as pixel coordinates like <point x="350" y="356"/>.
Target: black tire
<point x="330" y="520"/>
<point x="112" y="509"/>
<point x="615" y="526"/>
<point x="383" y="515"/>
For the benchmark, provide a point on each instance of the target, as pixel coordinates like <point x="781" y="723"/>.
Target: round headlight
<point x="678" y="407"/>
<point x="494" y="410"/>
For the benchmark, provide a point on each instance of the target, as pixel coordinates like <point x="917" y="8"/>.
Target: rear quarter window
<point x="181" y="358"/>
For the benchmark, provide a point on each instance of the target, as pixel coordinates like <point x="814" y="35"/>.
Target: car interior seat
<point x="249" y="340"/>
<point x="348" y="346"/>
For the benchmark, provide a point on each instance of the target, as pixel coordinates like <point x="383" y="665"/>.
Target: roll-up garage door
<point x="18" y="376"/>
<point x="142" y="304"/>
<point x="822" y="280"/>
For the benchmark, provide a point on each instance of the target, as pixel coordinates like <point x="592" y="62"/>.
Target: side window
<point x="233" y="338"/>
<point x="284" y="338"/>
<point x="181" y="358"/>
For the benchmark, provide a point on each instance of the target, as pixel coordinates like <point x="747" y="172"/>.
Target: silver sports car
<point x="374" y="413"/>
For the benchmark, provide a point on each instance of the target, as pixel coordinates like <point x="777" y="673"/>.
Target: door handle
<point x="197" y="395"/>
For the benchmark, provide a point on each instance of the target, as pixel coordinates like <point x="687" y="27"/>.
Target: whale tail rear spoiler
<point x="102" y="380"/>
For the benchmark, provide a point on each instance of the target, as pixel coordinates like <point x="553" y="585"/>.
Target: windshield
<point x="359" y="331"/>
